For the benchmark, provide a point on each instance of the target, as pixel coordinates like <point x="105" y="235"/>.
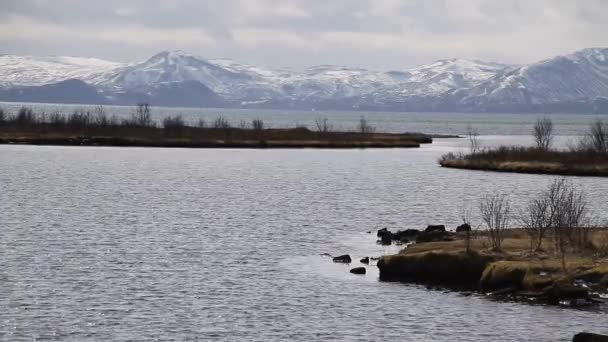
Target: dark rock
<point x="404" y="239"/>
<point x="432" y="236"/>
<point x="463" y="228"/>
<point x="358" y="270"/>
<point x="556" y="293"/>
<point x="384" y="232"/>
<point x="386" y="240"/>
<point x="589" y="337"/>
<point x="410" y="234"/>
<point x="435" y="228"/>
<point x="365" y="260"/>
<point x="343" y="259"/>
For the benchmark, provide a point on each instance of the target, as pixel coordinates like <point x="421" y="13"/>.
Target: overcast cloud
<point x="380" y="34"/>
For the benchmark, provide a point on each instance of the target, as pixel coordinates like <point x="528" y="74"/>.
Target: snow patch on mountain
<point x="34" y="71"/>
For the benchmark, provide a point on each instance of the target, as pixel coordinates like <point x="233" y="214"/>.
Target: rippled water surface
<point x="175" y="244"/>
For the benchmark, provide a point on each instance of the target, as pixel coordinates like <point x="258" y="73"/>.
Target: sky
<point x="377" y="34"/>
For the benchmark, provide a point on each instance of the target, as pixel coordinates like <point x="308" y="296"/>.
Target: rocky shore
<point x="439" y="257"/>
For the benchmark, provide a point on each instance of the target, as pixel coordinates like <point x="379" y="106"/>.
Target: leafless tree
<point x="466" y="214"/>
<point x="100" y="118"/>
<point x="495" y="212"/>
<point x="323" y="125"/>
<point x="598" y="136"/>
<point x="364" y="126"/>
<point x="536" y="218"/>
<point x="2" y="116"/>
<point x="142" y="116"/>
<point x="257" y="124"/>
<point x="568" y="212"/>
<point x="201" y="123"/>
<point x="473" y="137"/>
<point x="221" y="123"/>
<point x="543" y="133"/>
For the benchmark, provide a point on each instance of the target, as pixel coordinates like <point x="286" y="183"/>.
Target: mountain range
<point x="577" y="82"/>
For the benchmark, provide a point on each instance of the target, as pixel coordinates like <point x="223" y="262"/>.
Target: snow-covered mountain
<point x="576" y="78"/>
<point x="575" y="82"/>
<point x="35" y="71"/>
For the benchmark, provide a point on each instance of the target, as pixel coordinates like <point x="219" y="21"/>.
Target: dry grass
<point x="46" y="134"/>
<point x="531" y="160"/>
<point x="515" y="266"/>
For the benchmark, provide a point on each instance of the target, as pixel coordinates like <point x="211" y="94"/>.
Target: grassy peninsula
<point x="558" y="255"/>
<point x="95" y="128"/>
<point x="588" y="157"/>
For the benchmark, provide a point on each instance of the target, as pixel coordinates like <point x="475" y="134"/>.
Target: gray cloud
<point x="370" y="33"/>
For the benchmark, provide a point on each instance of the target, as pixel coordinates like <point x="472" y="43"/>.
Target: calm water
<point x="131" y="244"/>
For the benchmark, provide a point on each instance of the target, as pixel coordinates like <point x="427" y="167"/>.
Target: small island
<point x="589" y="157"/>
<point x="96" y="128"/>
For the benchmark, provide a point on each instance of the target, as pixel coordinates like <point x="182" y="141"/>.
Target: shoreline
<point x="537" y="168"/>
<point x="177" y="143"/>
<point x="203" y="137"/>
<point x="515" y="273"/>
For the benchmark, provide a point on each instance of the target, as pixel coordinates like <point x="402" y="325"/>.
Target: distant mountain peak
<point x="446" y="84"/>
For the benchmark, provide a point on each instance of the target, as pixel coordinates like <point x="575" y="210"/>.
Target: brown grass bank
<point x="515" y="270"/>
<point x="531" y="160"/>
<point x="120" y="135"/>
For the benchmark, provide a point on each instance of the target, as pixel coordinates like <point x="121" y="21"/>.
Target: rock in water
<point x="589" y="337"/>
<point x="358" y="270"/>
<point x="343" y="259"/>
<point x="365" y="260"/>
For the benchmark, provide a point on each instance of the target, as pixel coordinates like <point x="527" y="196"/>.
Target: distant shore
<point x="288" y="138"/>
<point x="96" y="128"/>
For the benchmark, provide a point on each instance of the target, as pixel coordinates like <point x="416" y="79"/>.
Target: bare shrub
<point x="201" y="123"/>
<point x="140" y="117"/>
<point x="466" y="214"/>
<point x="100" y="118"/>
<point x="568" y="215"/>
<point x="257" y="124"/>
<point x="25" y="116"/>
<point x="323" y="125"/>
<point x="473" y="137"/>
<point x="598" y="136"/>
<point x="221" y="123"/>
<point x="543" y="133"/>
<point x="174" y="122"/>
<point x="3" y="116"/>
<point x="364" y="126"/>
<point x="496" y="213"/>
<point x="536" y="219"/>
<point x="78" y="118"/>
<point x="57" y="119"/>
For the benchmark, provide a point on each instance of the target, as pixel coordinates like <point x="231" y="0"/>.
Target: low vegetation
<point x="561" y="255"/>
<point x="96" y="127"/>
<point x="589" y="156"/>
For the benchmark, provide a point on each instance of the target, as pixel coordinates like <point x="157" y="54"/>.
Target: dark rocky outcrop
<point x="463" y="228"/>
<point x="343" y="259"/>
<point x="402" y="236"/>
<point x="435" y="228"/>
<point x="358" y="270"/>
<point x="365" y="260"/>
<point x="589" y="337"/>
<point x="452" y="270"/>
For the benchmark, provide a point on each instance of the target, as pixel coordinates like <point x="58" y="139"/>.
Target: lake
<point x="128" y="244"/>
